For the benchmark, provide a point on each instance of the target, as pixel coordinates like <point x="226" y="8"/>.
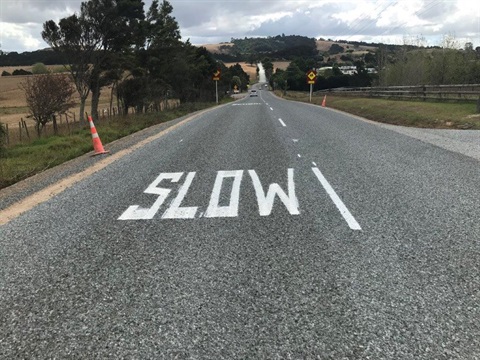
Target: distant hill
<point x="322" y="45"/>
<point x="278" y="48"/>
<point x="284" y="48"/>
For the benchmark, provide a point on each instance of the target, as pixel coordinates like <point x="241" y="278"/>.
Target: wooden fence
<point x="65" y="124"/>
<point x="469" y="92"/>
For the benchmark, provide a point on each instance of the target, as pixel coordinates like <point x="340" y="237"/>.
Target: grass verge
<point x="400" y="112"/>
<point x="24" y="160"/>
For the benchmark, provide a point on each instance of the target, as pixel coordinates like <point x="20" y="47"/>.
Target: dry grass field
<point x="13" y="106"/>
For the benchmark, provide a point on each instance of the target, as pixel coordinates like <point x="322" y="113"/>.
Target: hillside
<point x="287" y="48"/>
<point x="321" y="45"/>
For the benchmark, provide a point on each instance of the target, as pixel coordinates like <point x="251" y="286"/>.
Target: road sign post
<point x="311" y="78"/>
<point x="216" y="77"/>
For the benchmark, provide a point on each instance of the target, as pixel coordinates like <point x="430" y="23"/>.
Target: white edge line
<point x="352" y="223"/>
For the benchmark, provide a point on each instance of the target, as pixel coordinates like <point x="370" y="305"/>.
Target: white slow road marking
<point x="134" y="212"/>
<point x="265" y="202"/>
<point x="176" y="211"/>
<point x="352" y="223"/>
<point x="214" y="210"/>
<point x="281" y="122"/>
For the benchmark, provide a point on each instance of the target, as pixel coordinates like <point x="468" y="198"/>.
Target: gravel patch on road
<point x="466" y="142"/>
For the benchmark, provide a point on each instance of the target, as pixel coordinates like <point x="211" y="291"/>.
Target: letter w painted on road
<point x="265" y="202"/>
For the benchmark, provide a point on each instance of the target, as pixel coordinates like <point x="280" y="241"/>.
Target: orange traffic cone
<point x="97" y="144"/>
<point x="324" y="101"/>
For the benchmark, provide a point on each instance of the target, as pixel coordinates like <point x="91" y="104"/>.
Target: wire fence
<point x="66" y="124"/>
<point x="470" y="92"/>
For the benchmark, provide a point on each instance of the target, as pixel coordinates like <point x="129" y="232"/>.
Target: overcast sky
<point x="213" y="21"/>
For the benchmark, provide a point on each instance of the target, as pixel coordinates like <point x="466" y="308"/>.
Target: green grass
<point x="400" y="112"/>
<point x="23" y="160"/>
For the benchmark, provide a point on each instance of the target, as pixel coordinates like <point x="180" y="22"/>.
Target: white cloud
<point x="15" y="36"/>
<point x="207" y="21"/>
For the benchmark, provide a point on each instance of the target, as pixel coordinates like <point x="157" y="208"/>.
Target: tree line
<point x="138" y="54"/>
<point x="395" y="66"/>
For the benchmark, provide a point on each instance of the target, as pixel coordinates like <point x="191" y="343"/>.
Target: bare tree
<point x="47" y="95"/>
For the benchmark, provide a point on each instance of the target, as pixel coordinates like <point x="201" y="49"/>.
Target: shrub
<point x="39" y="68"/>
<point x="21" y="72"/>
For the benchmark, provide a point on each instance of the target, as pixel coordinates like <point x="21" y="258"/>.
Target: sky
<point x="412" y="22"/>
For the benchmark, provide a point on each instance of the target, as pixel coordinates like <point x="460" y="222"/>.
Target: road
<point x="260" y="229"/>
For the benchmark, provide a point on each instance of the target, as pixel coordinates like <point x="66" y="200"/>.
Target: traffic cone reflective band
<point x="97" y="144"/>
<point x="324" y="101"/>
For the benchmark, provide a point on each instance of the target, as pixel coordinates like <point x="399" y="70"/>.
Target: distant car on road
<point x="253" y="92"/>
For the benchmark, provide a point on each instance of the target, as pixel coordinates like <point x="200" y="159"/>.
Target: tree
<point x="115" y="26"/>
<point x="236" y="82"/>
<point x="103" y="30"/>
<point x="39" y="68"/>
<point x="336" y="49"/>
<point x="47" y="95"/>
<point x="296" y="77"/>
<point x="72" y="37"/>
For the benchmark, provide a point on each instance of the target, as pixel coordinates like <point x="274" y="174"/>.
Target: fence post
<point x="7" y="134"/>
<point x="55" y="125"/>
<point x="478" y="105"/>
<point x="68" y="125"/>
<point x="20" y="130"/>
<point x="26" y="128"/>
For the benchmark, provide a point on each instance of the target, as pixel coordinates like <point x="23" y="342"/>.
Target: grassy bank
<point x="23" y="160"/>
<point x="399" y="112"/>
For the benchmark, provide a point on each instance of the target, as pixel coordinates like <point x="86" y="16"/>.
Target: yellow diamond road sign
<point x="311" y="77"/>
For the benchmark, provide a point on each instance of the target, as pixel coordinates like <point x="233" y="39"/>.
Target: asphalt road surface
<point x="263" y="229"/>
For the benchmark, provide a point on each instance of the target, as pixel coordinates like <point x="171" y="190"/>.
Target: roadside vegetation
<point x="24" y="160"/>
<point x="433" y="115"/>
